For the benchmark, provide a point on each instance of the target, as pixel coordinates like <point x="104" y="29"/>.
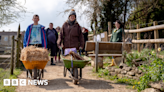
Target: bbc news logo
<point x="23" y="82"/>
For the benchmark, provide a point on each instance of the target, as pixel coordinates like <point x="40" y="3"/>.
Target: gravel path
<point x="58" y="83"/>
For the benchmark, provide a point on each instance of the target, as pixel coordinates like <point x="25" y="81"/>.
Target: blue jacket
<point x="28" y="34"/>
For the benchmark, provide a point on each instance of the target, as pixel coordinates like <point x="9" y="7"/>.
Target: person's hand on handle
<point x="60" y="47"/>
<point x="80" y="48"/>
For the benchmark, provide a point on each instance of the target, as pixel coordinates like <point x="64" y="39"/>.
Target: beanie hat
<point x="72" y="13"/>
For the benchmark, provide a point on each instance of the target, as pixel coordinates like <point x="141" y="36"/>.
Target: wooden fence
<point x="15" y="57"/>
<point x="11" y="60"/>
<point x="139" y="30"/>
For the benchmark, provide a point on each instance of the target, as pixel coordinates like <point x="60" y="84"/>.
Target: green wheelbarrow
<point x="76" y="70"/>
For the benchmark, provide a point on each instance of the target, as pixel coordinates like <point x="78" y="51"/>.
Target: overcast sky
<point x="48" y="11"/>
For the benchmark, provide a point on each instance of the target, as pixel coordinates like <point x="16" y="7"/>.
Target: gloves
<point x="60" y="47"/>
<point x="80" y="48"/>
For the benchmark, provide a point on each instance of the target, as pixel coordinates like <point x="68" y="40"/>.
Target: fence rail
<point x="15" y="50"/>
<point x="139" y="30"/>
<point x="149" y="41"/>
<point x="157" y="27"/>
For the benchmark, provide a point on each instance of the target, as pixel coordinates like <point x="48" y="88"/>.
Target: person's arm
<point x="60" y="38"/>
<point x="111" y="37"/>
<point x="26" y="37"/>
<point x="44" y="37"/>
<point x="119" y="36"/>
<point x="56" y="33"/>
<point x="81" y="38"/>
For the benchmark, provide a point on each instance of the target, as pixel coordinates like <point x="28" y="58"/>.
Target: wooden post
<point x="105" y="36"/>
<point x="96" y="56"/>
<point x="131" y="34"/>
<point x="12" y="56"/>
<point x="109" y="29"/>
<point x="138" y="38"/>
<point x="8" y="40"/>
<point x="130" y="27"/>
<point x="156" y="35"/>
<point x="18" y="48"/>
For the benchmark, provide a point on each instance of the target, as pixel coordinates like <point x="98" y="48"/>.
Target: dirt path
<point x="58" y="83"/>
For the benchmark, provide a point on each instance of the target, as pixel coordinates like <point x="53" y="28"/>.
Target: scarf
<point x="71" y="22"/>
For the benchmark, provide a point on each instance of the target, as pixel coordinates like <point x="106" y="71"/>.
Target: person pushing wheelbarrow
<point x="35" y="35"/>
<point x="71" y="35"/>
<point x="71" y="38"/>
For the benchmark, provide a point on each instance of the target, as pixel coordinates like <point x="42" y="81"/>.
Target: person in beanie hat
<point x="71" y="35"/>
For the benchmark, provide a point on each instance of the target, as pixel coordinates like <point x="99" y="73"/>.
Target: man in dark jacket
<point x="52" y="37"/>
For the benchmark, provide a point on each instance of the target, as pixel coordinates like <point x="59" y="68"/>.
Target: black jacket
<point x="55" y="33"/>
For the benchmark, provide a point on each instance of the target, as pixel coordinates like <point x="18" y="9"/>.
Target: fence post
<point x="96" y="55"/>
<point x="8" y="40"/>
<point x="138" y="38"/>
<point x="130" y="27"/>
<point x="105" y="36"/>
<point x="18" y="48"/>
<point x="12" y="57"/>
<point x="156" y="35"/>
<point x="131" y="34"/>
<point x="109" y="29"/>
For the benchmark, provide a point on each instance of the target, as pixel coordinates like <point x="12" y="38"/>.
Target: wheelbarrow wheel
<point x="75" y="72"/>
<point x="35" y="73"/>
<point x="65" y="71"/>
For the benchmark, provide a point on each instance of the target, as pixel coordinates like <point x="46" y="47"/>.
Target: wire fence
<point x="5" y="61"/>
<point x="5" y="76"/>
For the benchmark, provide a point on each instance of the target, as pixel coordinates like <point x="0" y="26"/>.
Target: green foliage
<point x="5" y="74"/>
<point x="161" y="53"/>
<point x="153" y="72"/>
<point x="144" y="55"/>
<point x="106" y="65"/>
<point x="102" y="72"/>
<point x="144" y="13"/>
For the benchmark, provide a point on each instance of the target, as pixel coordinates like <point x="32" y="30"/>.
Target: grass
<point x="89" y="64"/>
<point x="161" y="53"/>
<point x="5" y="74"/>
<point x="106" y="64"/>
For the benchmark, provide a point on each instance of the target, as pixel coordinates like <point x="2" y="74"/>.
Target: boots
<point x="52" y="62"/>
<point x="113" y="63"/>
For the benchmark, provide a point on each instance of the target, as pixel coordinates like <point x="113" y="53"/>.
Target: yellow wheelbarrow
<point x="37" y="66"/>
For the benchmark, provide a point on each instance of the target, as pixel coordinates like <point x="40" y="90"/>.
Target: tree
<point x="92" y="11"/>
<point x="10" y="11"/>
<point x="147" y="11"/>
<point x="99" y="12"/>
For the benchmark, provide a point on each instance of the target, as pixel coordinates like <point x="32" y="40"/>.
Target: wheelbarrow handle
<point x="61" y="51"/>
<point x="80" y="51"/>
